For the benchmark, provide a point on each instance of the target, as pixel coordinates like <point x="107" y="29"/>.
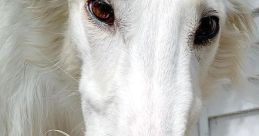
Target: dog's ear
<point x="235" y="38"/>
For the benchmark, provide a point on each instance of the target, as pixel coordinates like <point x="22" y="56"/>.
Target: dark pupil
<point x="102" y="11"/>
<point x="208" y="29"/>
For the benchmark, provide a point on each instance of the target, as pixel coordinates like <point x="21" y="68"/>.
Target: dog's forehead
<point x="137" y="7"/>
<point x="160" y="5"/>
<point x="157" y="2"/>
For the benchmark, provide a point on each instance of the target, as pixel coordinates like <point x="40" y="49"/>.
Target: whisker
<point x="57" y="131"/>
<point x="58" y="67"/>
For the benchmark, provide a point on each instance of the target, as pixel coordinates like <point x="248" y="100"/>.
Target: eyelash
<point x="206" y="14"/>
<point x="93" y="20"/>
<point x="90" y="17"/>
<point x="191" y="37"/>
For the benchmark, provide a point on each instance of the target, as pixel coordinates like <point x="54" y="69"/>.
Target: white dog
<point x="142" y="67"/>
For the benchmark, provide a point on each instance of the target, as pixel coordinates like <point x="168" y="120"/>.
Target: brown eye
<point x="102" y="11"/>
<point x="207" y="30"/>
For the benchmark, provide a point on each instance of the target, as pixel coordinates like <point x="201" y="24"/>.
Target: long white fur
<point x="49" y="50"/>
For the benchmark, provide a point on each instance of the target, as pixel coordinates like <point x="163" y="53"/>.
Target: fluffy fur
<point x="46" y="57"/>
<point x="38" y="84"/>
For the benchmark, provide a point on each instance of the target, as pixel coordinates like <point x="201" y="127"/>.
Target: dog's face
<point x="145" y="62"/>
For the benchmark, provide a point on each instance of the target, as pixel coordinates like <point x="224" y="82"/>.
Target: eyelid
<point x="209" y="12"/>
<point x="107" y="1"/>
<point x="96" y="22"/>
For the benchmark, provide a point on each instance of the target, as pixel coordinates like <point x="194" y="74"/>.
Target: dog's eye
<point x="207" y="30"/>
<point x="102" y="11"/>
